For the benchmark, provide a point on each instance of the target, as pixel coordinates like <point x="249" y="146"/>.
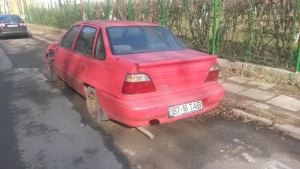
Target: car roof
<point x="113" y="23"/>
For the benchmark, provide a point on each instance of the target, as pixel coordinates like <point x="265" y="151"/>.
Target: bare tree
<point x="0" y="8"/>
<point x="7" y="6"/>
<point x="20" y="7"/>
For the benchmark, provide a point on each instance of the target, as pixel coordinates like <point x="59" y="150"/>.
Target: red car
<point x="136" y="73"/>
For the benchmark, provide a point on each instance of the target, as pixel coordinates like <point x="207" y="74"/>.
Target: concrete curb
<point x="289" y="130"/>
<point x="285" y="128"/>
<point x="291" y="77"/>
<point x="40" y="38"/>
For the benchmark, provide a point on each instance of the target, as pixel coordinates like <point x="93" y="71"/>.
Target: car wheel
<point x="94" y="109"/>
<point x="52" y="77"/>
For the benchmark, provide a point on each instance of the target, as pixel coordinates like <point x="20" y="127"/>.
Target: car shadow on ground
<point x="79" y="105"/>
<point x="15" y="37"/>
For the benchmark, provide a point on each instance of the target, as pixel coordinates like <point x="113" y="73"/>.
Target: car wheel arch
<point x="88" y="88"/>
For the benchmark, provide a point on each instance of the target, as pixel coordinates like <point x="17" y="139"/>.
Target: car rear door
<point x="83" y="54"/>
<point x="63" y="53"/>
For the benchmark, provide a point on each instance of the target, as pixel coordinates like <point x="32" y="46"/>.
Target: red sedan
<point x="136" y="73"/>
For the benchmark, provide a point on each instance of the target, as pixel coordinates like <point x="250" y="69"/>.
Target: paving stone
<point x="257" y="94"/>
<point x="261" y="85"/>
<point x="239" y="79"/>
<point x="291" y="114"/>
<point x="286" y="102"/>
<point x="261" y="106"/>
<point x="233" y="88"/>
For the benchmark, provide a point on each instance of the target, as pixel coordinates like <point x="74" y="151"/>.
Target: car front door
<point x="64" y="52"/>
<point x="81" y="58"/>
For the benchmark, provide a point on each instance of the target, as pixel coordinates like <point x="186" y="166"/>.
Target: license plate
<point x="185" y="109"/>
<point x="12" y="26"/>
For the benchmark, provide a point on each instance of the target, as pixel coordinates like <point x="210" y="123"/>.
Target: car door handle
<point x="82" y="67"/>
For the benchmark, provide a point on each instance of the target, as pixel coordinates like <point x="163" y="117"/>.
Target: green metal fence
<point x="256" y="31"/>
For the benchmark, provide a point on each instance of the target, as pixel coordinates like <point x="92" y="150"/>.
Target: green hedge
<point x="261" y="32"/>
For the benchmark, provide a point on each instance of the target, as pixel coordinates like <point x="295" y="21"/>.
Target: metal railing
<point x="256" y="31"/>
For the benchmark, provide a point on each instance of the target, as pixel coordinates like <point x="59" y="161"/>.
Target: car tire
<point x="94" y="109"/>
<point x="51" y="75"/>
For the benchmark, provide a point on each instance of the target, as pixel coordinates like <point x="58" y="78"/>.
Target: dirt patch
<point x="261" y="76"/>
<point x="283" y="86"/>
<point x="289" y="90"/>
<point x="45" y="29"/>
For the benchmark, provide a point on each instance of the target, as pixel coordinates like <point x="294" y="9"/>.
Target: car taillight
<point x="2" y="25"/>
<point x="22" y="24"/>
<point x="213" y="74"/>
<point x="137" y="84"/>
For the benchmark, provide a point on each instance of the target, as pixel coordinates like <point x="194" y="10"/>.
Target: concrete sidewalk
<point x="273" y="105"/>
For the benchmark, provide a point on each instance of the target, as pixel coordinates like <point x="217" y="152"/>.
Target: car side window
<point x="85" y="42"/>
<point x="100" y="50"/>
<point x="68" y="39"/>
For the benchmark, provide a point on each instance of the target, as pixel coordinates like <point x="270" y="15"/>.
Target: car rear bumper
<point x="6" y="33"/>
<point x="155" y="109"/>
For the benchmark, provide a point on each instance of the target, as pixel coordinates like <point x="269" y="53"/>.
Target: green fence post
<point x="162" y="15"/>
<point x="213" y="48"/>
<point x="145" y="14"/>
<point x="66" y="16"/>
<point x="60" y="13"/>
<point x="43" y="15"/>
<point x="28" y="17"/>
<point x="107" y="9"/>
<point x="186" y="15"/>
<point x="208" y="25"/>
<point x="219" y="29"/>
<point x="50" y="14"/>
<point x="58" y="23"/>
<point x="250" y="39"/>
<point x="294" y="32"/>
<point x="89" y="10"/>
<point x="34" y="14"/>
<point x="130" y="16"/>
<point x="76" y="11"/>
<point x="59" y="3"/>
<point x="31" y="9"/>
<point x="298" y="58"/>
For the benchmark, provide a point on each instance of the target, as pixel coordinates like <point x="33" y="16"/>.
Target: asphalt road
<point x="44" y="125"/>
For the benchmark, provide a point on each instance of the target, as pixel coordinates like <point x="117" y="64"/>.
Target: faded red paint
<point x="179" y="77"/>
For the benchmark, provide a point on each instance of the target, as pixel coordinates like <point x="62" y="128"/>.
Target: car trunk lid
<point x="170" y="70"/>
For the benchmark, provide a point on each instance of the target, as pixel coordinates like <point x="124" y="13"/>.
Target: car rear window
<point x="140" y="39"/>
<point x="10" y="18"/>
